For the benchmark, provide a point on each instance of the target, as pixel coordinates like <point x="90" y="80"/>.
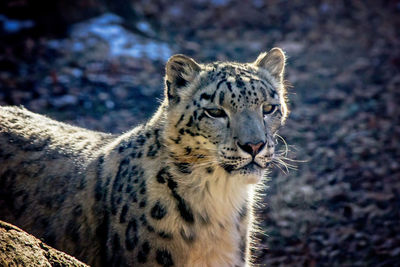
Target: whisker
<point x="287" y="165"/>
<point x="284" y="142"/>
<point x="278" y="166"/>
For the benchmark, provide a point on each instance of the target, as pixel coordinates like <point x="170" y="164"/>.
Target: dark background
<point x="340" y="206"/>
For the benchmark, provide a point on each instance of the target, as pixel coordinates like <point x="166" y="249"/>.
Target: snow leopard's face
<point x="227" y="114"/>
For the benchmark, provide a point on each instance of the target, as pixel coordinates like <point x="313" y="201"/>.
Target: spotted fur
<point x="175" y="191"/>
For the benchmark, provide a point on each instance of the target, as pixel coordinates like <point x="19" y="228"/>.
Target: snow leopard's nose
<point x="252" y="149"/>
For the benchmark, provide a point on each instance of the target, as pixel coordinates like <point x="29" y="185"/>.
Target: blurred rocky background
<point x="99" y="64"/>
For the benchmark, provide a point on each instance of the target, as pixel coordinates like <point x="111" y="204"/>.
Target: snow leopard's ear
<point x="180" y="70"/>
<point x="273" y="62"/>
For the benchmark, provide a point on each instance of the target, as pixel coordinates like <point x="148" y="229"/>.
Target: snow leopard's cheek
<point x="216" y="130"/>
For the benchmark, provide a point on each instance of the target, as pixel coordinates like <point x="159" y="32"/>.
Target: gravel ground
<point x="339" y="205"/>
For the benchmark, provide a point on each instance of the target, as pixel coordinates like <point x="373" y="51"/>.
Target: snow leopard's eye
<point x="215" y="113"/>
<point x="269" y="109"/>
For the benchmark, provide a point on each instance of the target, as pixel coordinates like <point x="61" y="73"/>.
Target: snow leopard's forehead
<point x="236" y="86"/>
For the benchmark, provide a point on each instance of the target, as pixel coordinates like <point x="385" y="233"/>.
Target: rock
<point x="17" y="248"/>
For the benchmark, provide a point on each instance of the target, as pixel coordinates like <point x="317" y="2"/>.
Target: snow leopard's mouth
<point x="251" y="172"/>
<point x="251" y="167"/>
